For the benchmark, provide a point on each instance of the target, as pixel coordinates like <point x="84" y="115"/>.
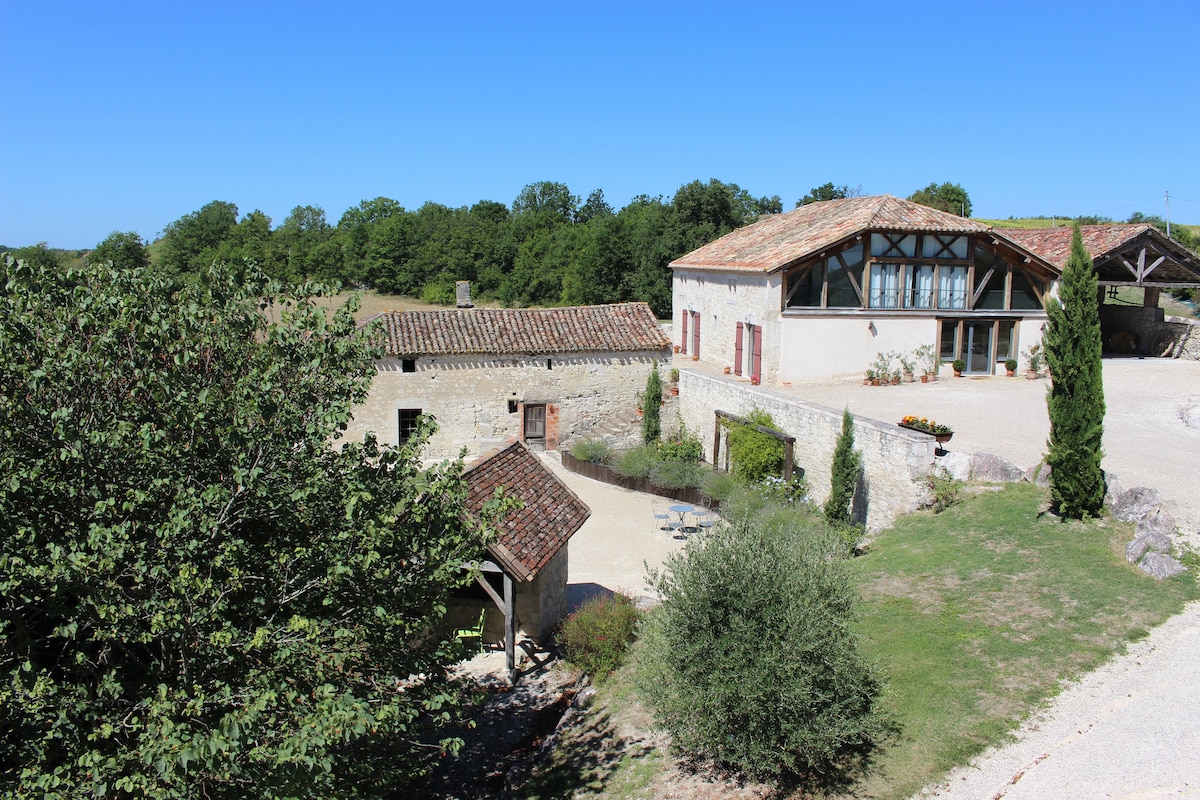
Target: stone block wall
<point x="478" y="402"/>
<point x="1184" y="341"/>
<point x="895" y="460"/>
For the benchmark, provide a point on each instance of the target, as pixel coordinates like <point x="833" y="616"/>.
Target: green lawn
<point x="977" y="614"/>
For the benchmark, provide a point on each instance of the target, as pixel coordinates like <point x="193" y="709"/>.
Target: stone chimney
<point x="462" y="294"/>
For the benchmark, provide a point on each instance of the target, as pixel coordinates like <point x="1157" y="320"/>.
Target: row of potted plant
<point x="894" y="366"/>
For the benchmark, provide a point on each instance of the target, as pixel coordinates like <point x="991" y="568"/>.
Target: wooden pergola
<point x="789" y="442"/>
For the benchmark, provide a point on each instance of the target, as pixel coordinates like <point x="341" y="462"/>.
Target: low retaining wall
<point x="895" y="460"/>
<point x="606" y="474"/>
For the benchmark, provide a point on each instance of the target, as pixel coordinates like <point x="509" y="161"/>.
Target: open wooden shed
<point x="525" y="575"/>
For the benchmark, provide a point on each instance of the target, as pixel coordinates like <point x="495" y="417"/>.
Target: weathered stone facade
<point x="540" y="605"/>
<point x="479" y="402"/>
<point x="895" y="460"/>
<point x="722" y="301"/>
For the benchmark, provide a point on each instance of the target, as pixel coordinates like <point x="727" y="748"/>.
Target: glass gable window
<point x="943" y="246"/>
<point x="894" y="245"/>
<point x="804" y="287"/>
<point x="1023" y="295"/>
<point x="842" y="266"/>
<point x="885" y="286"/>
<point x="918" y="286"/>
<point x="952" y="287"/>
<point x="991" y="268"/>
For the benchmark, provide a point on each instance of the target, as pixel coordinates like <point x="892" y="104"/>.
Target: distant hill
<point x="1059" y="222"/>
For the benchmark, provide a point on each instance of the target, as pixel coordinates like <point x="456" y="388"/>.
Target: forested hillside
<point x="547" y="248"/>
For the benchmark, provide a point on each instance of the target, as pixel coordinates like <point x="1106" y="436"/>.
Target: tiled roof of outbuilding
<point x="618" y="327"/>
<point x="776" y="241"/>
<point x="550" y="514"/>
<point x="1054" y="244"/>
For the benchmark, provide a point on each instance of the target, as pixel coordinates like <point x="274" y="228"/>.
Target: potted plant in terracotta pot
<point x="907" y="365"/>
<point x="674" y="381"/>
<point x="1034" y="357"/>
<point x="870" y="376"/>
<point x="1010" y="366"/>
<point x="928" y="362"/>
<point x="958" y="365"/>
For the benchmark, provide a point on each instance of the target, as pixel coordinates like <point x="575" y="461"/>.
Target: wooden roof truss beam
<point x="1141" y="270"/>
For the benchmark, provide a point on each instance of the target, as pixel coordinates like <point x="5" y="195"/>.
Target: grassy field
<point x="978" y="614"/>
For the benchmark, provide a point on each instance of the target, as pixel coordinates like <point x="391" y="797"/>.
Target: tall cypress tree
<point x="652" y="399"/>
<point x="1076" y="399"/>
<point x="844" y="474"/>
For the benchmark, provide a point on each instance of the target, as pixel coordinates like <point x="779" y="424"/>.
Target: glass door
<point x="978" y="348"/>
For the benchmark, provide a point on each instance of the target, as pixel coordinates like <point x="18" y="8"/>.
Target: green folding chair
<point x="464" y="635"/>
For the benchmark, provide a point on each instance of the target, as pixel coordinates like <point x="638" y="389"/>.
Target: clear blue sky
<point x="128" y="115"/>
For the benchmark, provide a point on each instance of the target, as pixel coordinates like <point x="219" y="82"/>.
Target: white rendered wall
<point x="816" y="348"/>
<point x="723" y="300"/>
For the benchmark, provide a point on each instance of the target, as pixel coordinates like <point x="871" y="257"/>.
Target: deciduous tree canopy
<point x="201" y="596"/>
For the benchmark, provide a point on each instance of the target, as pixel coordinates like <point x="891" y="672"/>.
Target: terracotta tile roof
<point x="619" y="327"/>
<point x="551" y="512"/>
<point x="1054" y="244"/>
<point x="1106" y="244"/>
<point x="776" y="241"/>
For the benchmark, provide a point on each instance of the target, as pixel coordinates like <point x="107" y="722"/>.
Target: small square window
<point x="408" y="365"/>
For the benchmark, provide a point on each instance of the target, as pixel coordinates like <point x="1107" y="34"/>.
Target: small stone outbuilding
<point x="526" y="569"/>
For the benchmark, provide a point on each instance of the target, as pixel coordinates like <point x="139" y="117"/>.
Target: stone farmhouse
<point x="543" y="376"/>
<point x="819" y="291"/>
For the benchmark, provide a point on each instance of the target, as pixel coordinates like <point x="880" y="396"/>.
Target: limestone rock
<point x="1157" y="521"/>
<point x="1112" y="487"/>
<point x="957" y="464"/>
<point x="1151" y="541"/>
<point x="1161" y="566"/>
<point x="988" y="467"/>
<point x="1135" y="503"/>
<point x="1039" y="474"/>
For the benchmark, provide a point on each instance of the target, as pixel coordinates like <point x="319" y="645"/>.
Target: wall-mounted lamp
<point x="871" y="327"/>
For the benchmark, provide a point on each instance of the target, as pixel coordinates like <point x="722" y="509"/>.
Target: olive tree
<point x="200" y="594"/>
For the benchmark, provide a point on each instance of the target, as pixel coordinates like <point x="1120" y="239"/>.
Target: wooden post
<point x="510" y="629"/>
<point x="1150" y="298"/>
<point x="789" y="459"/>
<point x="716" y="458"/>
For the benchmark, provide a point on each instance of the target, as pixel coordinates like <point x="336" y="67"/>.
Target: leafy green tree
<point x="304" y="248"/>
<point x="190" y="243"/>
<point x="250" y="240"/>
<point x="125" y="249"/>
<point x="201" y="596"/>
<point x="651" y="407"/>
<point x="845" y="474"/>
<point x="546" y="203"/>
<point x="652" y="237"/>
<point x="828" y="191"/>
<point x="1076" y="399"/>
<point x="751" y="660"/>
<point x="596" y="207"/>
<point x="949" y="197"/>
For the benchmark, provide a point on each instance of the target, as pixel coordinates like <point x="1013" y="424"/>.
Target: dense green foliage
<point x="949" y="197"/>
<point x="751" y="660"/>
<point x="652" y="407"/>
<point x="1076" y="399"/>
<point x="200" y="596"/>
<point x="754" y="454"/>
<point x="548" y="248"/>
<point x="596" y="451"/>
<point x="597" y="635"/>
<point x="845" y="474"/>
<point x="682" y="445"/>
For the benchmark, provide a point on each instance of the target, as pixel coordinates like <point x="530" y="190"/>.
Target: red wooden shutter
<point x="737" y="351"/>
<point x="756" y="344"/>
<point x="696" y="334"/>
<point x="683" y="321"/>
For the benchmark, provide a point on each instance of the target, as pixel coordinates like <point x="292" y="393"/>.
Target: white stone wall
<point x="895" y="460"/>
<point x="723" y="300"/>
<point x="469" y="396"/>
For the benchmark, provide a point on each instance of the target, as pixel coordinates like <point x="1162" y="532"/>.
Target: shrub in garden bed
<point x="596" y="451"/>
<point x="636" y="463"/>
<point x="596" y="636"/>
<point x="677" y="475"/>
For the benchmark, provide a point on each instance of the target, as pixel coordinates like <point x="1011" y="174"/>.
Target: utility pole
<point x="1167" y="196"/>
